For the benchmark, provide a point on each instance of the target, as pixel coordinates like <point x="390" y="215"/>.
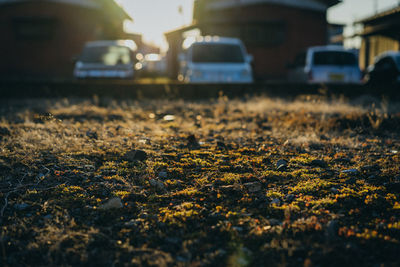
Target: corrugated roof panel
<point x="85" y="3"/>
<point x="306" y="4"/>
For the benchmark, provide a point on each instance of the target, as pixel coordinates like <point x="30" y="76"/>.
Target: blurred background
<point x="46" y="39"/>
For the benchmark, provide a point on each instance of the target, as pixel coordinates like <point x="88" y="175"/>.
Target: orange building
<point x="41" y="38"/>
<point x="381" y="33"/>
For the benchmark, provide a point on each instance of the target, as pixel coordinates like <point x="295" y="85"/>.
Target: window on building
<point x="34" y="28"/>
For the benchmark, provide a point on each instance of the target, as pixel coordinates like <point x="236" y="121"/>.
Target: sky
<point x="152" y="18"/>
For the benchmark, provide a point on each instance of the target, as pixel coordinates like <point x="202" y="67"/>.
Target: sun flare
<point x="152" y="18"/>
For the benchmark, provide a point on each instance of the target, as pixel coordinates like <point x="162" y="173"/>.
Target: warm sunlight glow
<point x="153" y="18"/>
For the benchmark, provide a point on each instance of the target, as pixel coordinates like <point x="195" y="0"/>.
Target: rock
<point x="182" y="259"/>
<point x="4" y="131"/>
<point x="163" y="175"/>
<point x="274" y="222"/>
<point x="351" y="180"/>
<point x="133" y="222"/>
<point x="221" y="144"/>
<point x="135" y="155"/>
<point x="351" y="171"/>
<point x="157" y="184"/>
<point x="281" y="165"/>
<point x="229" y="188"/>
<point x="113" y="203"/>
<point x="48" y="217"/>
<point x="369" y="168"/>
<point x="90" y="167"/>
<point x="343" y="160"/>
<point x="21" y="206"/>
<point x="275" y="201"/>
<point x="169" y="118"/>
<point x="192" y="141"/>
<point x="331" y="230"/>
<point x="334" y="190"/>
<point x="318" y="163"/>
<point x="290" y="198"/>
<point x="92" y="135"/>
<point x="253" y="187"/>
<point x="324" y="138"/>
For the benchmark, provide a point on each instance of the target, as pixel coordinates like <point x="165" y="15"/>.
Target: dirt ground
<point x="220" y="182"/>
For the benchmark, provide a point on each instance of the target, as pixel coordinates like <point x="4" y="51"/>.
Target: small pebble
<point x="290" y="198"/>
<point x="157" y="184"/>
<point x="169" y="118"/>
<point x="334" y="190"/>
<point x="253" y="187"/>
<point x="281" y="165"/>
<point x="21" y="206"/>
<point x="351" y="171"/>
<point x="135" y="155"/>
<point x="276" y="201"/>
<point x="274" y="222"/>
<point x="318" y="163"/>
<point x="114" y="203"/>
<point x="163" y="175"/>
<point x="92" y="135"/>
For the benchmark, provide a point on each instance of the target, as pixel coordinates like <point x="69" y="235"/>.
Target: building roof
<point x="386" y="23"/>
<point x="109" y="5"/>
<point x="318" y="5"/>
<point x="381" y="15"/>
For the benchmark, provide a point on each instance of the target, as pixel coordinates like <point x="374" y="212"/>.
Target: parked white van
<point x="325" y="64"/>
<point x="214" y="60"/>
<point x="106" y="59"/>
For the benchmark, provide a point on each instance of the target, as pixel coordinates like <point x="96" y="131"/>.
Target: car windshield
<point x="107" y="55"/>
<point x="217" y="53"/>
<point x="324" y="58"/>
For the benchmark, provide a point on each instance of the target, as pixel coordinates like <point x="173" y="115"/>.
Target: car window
<point x="217" y="53"/>
<point x="107" y="55"/>
<point x="339" y="58"/>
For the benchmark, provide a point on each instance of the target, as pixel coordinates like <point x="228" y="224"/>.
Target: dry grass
<point x="209" y="191"/>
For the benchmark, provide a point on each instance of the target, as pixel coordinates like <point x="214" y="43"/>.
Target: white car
<point x="325" y="64"/>
<point x="214" y="60"/>
<point x="106" y="59"/>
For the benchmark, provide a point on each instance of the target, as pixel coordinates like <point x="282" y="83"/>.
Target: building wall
<point x="287" y="31"/>
<point x="373" y="46"/>
<point x="41" y="39"/>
